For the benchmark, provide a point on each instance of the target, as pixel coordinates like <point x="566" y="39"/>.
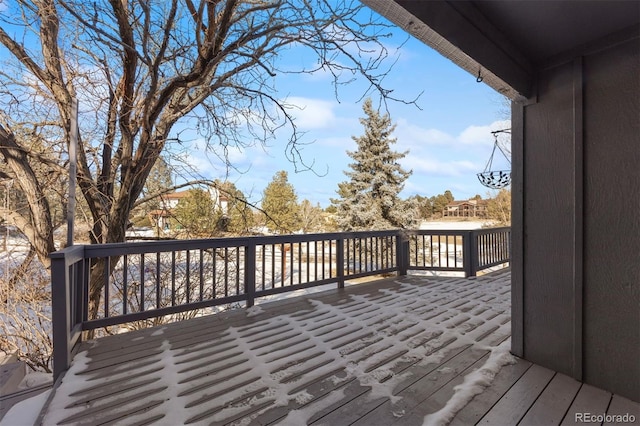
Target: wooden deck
<point x="388" y="352"/>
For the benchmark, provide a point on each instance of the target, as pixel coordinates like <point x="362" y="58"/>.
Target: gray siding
<point x="578" y="300"/>
<point x="549" y="213"/>
<point x="612" y="219"/>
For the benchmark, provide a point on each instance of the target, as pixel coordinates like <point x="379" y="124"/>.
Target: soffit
<point x="543" y="30"/>
<point x="506" y="41"/>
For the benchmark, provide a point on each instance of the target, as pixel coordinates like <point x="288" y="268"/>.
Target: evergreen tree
<point x="331" y="209"/>
<point x="369" y="199"/>
<point x="424" y="205"/>
<point x="449" y="196"/>
<point x="159" y="180"/>
<point x="440" y="201"/>
<point x="197" y="213"/>
<point x="280" y="203"/>
<point x="238" y="214"/>
<point x="158" y="184"/>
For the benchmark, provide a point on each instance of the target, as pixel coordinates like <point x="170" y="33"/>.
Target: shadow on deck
<point x="386" y="352"/>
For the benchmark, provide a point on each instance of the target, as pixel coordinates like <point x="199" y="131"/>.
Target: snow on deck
<point x="370" y="353"/>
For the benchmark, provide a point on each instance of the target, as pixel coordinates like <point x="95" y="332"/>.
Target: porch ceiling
<point x="542" y="30"/>
<point x="508" y="41"/>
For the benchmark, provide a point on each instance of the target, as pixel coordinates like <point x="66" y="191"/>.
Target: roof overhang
<point x="504" y="43"/>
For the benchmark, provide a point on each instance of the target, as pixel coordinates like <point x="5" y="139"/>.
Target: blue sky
<point x="448" y="139"/>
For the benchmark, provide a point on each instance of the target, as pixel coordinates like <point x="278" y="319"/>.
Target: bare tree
<point x="310" y="217"/>
<point x="499" y="207"/>
<point x="140" y="68"/>
<point x="25" y="314"/>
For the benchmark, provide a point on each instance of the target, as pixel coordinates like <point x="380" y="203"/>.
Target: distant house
<point x="466" y="208"/>
<point x="161" y="217"/>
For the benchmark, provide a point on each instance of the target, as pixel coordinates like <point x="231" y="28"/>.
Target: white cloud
<point x="435" y="167"/>
<point x="482" y="134"/>
<point x="212" y="161"/>
<point x="311" y="113"/>
<point x="443" y="161"/>
<point x="416" y="138"/>
<point x="411" y="135"/>
<point x="436" y="154"/>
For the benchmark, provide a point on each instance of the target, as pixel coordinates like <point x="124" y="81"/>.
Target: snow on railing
<point x="143" y="283"/>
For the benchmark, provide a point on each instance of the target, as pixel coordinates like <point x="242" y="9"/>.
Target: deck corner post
<point x="61" y="314"/>
<point x="402" y="252"/>
<point x="470" y="253"/>
<point x="340" y="261"/>
<point x="250" y="273"/>
<point x="475" y="260"/>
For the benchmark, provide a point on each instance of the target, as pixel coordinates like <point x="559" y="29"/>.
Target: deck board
<point x="369" y="410"/>
<point x="484" y="401"/>
<point x="414" y="396"/>
<point x="588" y="400"/>
<point x="437" y="400"/>
<point x="512" y="407"/>
<point x="623" y="407"/>
<point x="380" y="353"/>
<point x="553" y="403"/>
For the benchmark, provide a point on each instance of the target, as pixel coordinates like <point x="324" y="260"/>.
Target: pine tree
<point x="369" y="200"/>
<point x="197" y="213"/>
<point x="159" y="180"/>
<point x="280" y="203"/>
<point x="238" y="217"/>
<point x="441" y="201"/>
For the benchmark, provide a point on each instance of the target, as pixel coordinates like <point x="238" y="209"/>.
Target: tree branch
<point x="40" y="228"/>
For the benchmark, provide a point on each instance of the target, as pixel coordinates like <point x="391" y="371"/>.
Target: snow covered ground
<point x="453" y="226"/>
<point x="13" y="250"/>
<point x="292" y="366"/>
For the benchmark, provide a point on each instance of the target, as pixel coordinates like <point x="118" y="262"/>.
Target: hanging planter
<point x="496" y="179"/>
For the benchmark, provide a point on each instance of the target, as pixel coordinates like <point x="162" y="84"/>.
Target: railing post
<point x="509" y="245"/>
<point x="470" y="254"/>
<point x="340" y="261"/>
<point x="61" y="314"/>
<point x="402" y="252"/>
<point x="475" y="260"/>
<point x="250" y="273"/>
<point x="82" y="270"/>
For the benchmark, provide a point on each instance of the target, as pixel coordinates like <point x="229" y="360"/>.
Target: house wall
<point x="576" y="227"/>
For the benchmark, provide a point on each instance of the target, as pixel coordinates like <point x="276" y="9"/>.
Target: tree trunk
<point x="39" y="228"/>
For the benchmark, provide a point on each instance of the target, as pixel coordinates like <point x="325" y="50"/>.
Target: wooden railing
<point x="141" y="281"/>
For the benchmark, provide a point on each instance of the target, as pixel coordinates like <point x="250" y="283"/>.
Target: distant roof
<point x="181" y="194"/>
<point x="177" y="195"/>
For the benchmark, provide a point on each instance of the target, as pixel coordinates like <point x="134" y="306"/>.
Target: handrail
<point x="143" y="280"/>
